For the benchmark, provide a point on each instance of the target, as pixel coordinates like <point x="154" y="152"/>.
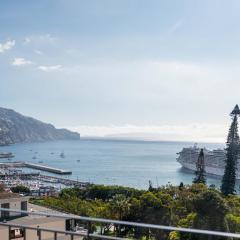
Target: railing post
<point x="89" y="229"/>
<point x="9" y="233"/>
<point x="39" y="233"/>
<point x="24" y="234"/>
<point x="72" y="237"/>
<point x="55" y="235"/>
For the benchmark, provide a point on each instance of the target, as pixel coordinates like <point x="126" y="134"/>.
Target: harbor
<point x="12" y="174"/>
<point x="104" y="162"/>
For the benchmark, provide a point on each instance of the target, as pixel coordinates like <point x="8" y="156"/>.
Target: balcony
<point x="26" y="232"/>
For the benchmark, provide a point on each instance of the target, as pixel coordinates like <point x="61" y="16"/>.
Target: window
<point x="4" y="214"/>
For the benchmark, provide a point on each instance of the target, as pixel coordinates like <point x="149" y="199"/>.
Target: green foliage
<point x="191" y="206"/>
<point x="102" y="192"/>
<point x="175" y="235"/>
<point x="20" y="189"/>
<point x="210" y="203"/>
<point x="211" y="210"/>
<point x="233" y="223"/>
<point x="186" y="223"/>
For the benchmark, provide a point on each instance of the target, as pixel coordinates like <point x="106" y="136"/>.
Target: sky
<point x="165" y="70"/>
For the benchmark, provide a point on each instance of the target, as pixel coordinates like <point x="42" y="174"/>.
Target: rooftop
<point x="8" y="195"/>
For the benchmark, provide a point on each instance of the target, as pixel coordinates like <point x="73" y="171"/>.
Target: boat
<point x="6" y="155"/>
<point x="78" y="160"/>
<point x="62" y="155"/>
<point x="34" y="157"/>
<point x="214" y="160"/>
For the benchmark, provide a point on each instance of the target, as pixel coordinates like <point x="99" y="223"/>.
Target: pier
<point x="47" y="168"/>
<point x="35" y="166"/>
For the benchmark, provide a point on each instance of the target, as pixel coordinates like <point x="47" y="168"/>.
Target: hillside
<point x="16" y="128"/>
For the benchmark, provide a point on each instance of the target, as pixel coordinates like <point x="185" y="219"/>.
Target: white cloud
<point x="52" y="68"/>
<point x="21" y="62"/>
<point x="39" y="38"/>
<point x="192" y="132"/>
<point x="38" y="52"/>
<point x="7" y="45"/>
<point x="175" y="26"/>
<point x="27" y="40"/>
<point x="47" y="37"/>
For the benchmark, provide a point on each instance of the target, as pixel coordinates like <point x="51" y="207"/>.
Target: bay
<point x="113" y="162"/>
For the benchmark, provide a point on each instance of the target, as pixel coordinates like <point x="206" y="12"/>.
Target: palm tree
<point x="120" y="206"/>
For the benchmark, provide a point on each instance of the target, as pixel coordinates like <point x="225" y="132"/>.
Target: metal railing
<point x="89" y="220"/>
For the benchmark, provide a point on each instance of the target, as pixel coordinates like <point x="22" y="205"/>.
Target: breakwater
<point x="35" y="166"/>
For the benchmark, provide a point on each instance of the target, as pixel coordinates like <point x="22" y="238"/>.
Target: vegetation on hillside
<point x="191" y="206"/>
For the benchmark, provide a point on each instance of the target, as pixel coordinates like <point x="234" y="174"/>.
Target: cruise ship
<point x="214" y="160"/>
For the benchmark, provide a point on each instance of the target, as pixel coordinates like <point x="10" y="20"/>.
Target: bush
<point x="20" y="189"/>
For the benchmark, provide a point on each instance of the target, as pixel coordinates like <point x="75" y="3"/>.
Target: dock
<point x="35" y="166"/>
<point x="47" y="168"/>
<point x="22" y="176"/>
<point x="64" y="181"/>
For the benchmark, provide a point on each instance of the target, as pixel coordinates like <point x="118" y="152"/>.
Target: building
<point x="12" y="201"/>
<point x="38" y="221"/>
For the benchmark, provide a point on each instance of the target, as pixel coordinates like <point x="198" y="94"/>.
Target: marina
<point x="23" y="177"/>
<point x="12" y="174"/>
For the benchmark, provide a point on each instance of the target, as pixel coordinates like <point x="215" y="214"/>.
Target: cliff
<point x="16" y="128"/>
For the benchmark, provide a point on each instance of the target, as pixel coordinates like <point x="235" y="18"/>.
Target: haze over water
<point x="113" y="162"/>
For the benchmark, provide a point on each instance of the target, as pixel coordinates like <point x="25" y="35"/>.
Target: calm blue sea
<point x="128" y="163"/>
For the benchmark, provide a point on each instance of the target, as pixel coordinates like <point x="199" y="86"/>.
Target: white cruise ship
<point x="214" y="160"/>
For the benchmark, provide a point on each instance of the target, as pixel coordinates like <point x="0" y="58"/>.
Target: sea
<point x="113" y="162"/>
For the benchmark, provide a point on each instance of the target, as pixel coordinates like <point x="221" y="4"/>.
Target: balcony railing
<point x="89" y="221"/>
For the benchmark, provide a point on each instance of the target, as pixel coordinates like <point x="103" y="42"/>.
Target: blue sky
<point x="158" y="69"/>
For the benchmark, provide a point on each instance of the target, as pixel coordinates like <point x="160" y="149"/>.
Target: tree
<point x="20" y="189"/>
<point x="181" y="186"/>
<point x="200" y="166"/>
<point x="150" y="188"/>
<point x="120" y="205"/>
<point x="211" y="210"/>
<point x="232" y="152"/>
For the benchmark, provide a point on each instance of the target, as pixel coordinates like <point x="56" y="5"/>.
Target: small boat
<point x="6" y="155"/>
<point x="62" y="155"/>
<point x="78" y="160"/>
<point x="34" y="157"/>
<point x="40" y="161"/>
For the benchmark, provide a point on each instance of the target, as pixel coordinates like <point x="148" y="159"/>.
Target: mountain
<point x="16" y="128"/>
